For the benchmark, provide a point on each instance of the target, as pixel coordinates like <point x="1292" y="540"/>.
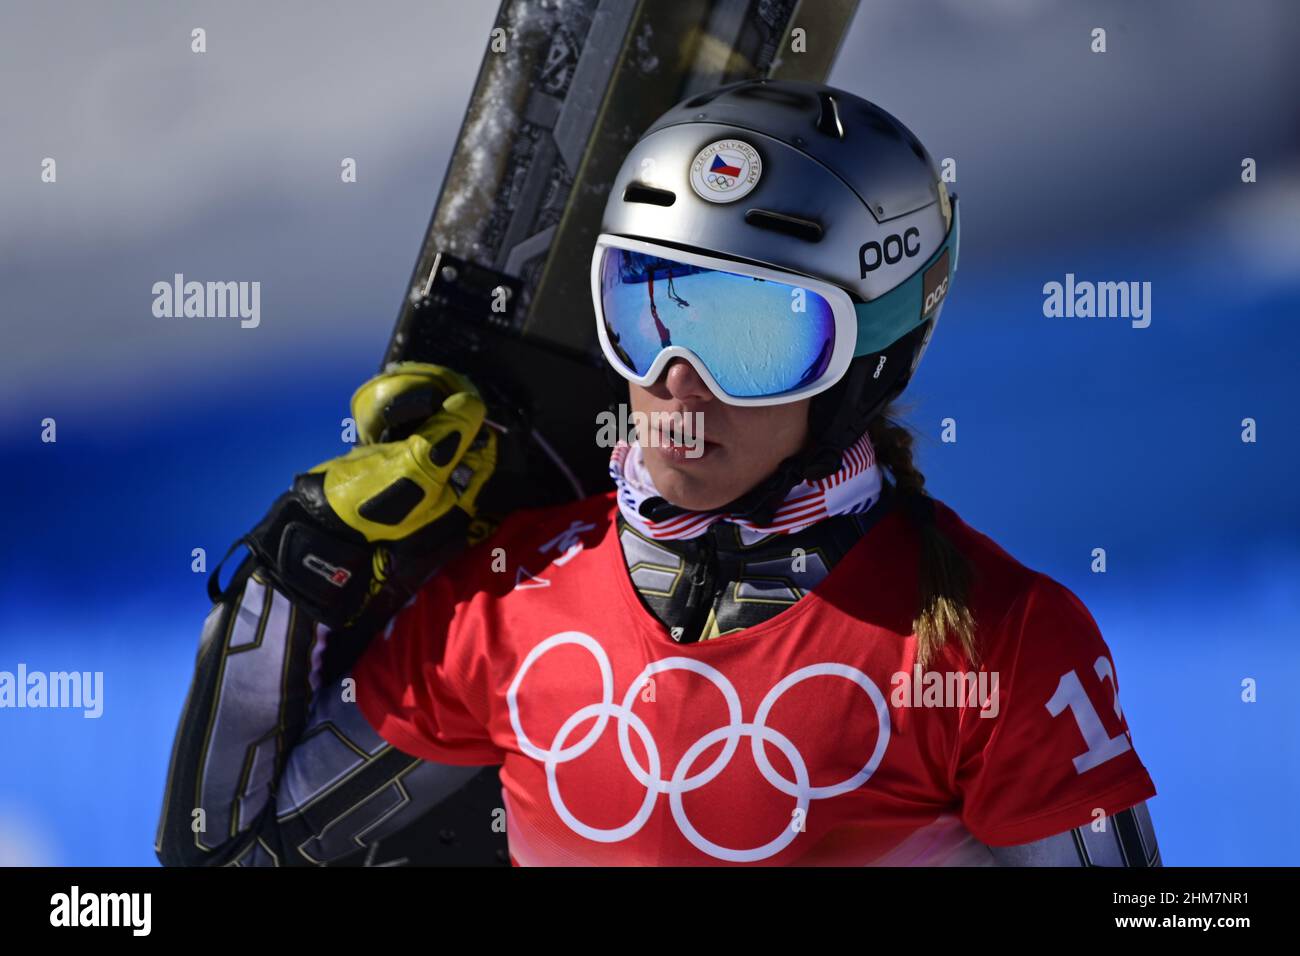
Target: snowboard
<point x="501" y="287"/>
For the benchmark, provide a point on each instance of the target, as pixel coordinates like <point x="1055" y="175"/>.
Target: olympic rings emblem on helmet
<point x="725" y="170"/>
<point x="682" y="779"/>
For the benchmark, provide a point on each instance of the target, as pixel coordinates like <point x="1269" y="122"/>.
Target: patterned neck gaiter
<point x="852" y="489"/>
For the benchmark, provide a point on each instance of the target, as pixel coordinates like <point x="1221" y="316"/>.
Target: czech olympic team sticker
<point x="725" y="171"/>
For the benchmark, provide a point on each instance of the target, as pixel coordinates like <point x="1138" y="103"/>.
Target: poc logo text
<point x="872" y="255"/>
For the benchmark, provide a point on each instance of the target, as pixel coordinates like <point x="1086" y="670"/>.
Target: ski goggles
<point x="755" y="335"/>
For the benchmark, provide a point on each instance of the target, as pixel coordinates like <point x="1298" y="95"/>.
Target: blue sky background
<point x="1072" y="433"/>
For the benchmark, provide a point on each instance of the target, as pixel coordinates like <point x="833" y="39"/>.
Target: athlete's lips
<point x="667" y="438"/>
<point x="685" y="454"/>
<point x="682" y="449"/>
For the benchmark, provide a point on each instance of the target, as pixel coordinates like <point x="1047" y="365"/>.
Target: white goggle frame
<point x="846" y="320"/>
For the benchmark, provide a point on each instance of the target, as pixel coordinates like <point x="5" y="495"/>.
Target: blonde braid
<point x="944" y="574"/>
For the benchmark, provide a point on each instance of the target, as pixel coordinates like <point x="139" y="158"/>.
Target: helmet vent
<point x="704" y="99"/>
<point x="828" y="121"/>
<point x="804" y="229"/>
<point x="640" y="192"/>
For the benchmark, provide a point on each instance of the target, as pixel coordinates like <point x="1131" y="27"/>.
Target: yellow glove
<point x="389" y="490"/>
<point x="357" y="535"/>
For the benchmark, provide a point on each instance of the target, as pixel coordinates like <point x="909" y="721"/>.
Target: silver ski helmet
<point x="791" y="179"/>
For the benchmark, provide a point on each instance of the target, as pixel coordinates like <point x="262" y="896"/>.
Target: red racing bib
<point x="809" y="739"/>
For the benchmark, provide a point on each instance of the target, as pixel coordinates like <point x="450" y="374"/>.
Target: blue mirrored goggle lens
<point x="757" y="337"/>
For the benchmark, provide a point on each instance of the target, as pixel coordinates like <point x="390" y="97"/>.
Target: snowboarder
<point x="772" y="648"/>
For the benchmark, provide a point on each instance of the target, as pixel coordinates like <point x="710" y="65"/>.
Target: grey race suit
<point x="266" y="771"/>
<point x="285" y="769"/>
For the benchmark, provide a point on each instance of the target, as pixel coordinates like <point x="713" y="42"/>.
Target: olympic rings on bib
<point x="682" y="780"/>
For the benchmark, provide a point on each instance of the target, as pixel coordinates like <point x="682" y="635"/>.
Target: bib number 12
<point x="1070" y="693"/>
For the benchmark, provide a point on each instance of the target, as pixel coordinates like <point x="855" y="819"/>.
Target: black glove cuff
<point x="323" y="572"/>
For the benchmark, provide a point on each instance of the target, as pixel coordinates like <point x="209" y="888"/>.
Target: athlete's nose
<point x="684" y="383"/>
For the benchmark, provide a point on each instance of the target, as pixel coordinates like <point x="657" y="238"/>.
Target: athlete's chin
<point x="698" y="485"/>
